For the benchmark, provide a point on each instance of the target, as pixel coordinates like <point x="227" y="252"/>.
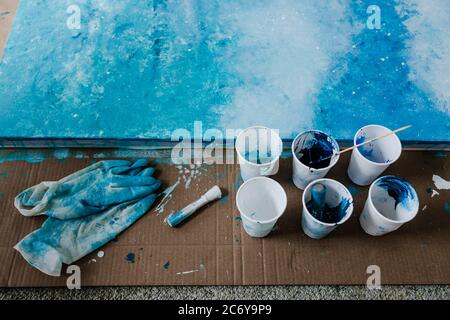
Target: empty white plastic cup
<point x="369" y="161"/>
<point x="319" y="219"/>
<point x="258" y="150"/>
<point x="308" y="148"/>
<point x="261" y="201"/>
<point x="391" y="203"/>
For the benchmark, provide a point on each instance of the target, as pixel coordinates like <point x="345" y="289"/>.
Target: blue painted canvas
<point x="141" y="69"/>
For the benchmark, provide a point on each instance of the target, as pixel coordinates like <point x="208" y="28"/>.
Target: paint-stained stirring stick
<point x="364" y="143"/>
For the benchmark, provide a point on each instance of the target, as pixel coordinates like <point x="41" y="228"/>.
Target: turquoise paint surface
<point x="143" y="69"/>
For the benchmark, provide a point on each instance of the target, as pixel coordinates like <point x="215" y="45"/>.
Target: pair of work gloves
<point x="86" y="210"/>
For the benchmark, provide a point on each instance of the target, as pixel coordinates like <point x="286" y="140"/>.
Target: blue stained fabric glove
<point x="69" y="235"/>
<point x="90" y="190"/>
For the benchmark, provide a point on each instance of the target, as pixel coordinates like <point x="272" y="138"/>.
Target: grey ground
<point x="239" y="292"/>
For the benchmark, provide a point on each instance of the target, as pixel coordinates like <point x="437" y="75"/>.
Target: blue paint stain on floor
<point x="353" y="190"/>
<point x="166" y="265"/>
<point x="440" y="155"/>
<point x="447" y="207"/>
<point x="174" y="64"/>
<point x="131" y="257"/>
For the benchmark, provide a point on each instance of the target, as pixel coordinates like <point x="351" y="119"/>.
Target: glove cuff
<point x="40" y="255"/>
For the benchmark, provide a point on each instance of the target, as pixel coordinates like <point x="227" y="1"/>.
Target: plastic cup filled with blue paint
<point x="391" y="202"/>
<point x="314" y="153"/>
<point x="326" y="205"/>
<point x="369" y="161"/>
<point x="258" y="149"/>
<point x="261" y="201"/>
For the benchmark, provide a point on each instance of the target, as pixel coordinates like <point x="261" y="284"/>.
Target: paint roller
<point x="174" y="219"/>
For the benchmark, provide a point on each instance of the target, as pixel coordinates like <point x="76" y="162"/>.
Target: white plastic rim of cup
<point x="303" y="173"/>
<point x="261" y="201"/>
<point x="337" y="195"/>
<point x="391" y="202"/>
<point x="369" y="161"/>
<point x="253" y="142"/>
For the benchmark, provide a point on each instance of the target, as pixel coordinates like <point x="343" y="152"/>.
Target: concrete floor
<point x="238" y="292"/>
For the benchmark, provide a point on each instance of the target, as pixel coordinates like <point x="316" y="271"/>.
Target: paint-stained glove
<point x="61" y="241"/>
<point x="90" y="190"/>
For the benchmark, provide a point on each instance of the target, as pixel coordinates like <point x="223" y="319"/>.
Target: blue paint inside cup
<point x="400" y="190"/>
<point x="316" y="149"/>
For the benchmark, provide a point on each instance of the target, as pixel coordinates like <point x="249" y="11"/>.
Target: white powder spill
<point x="424" y="208"/>
<point x="434" y="193"/>
<point x="428" y="48"/>
<point x="440" y="183"/>
<point x="167" y="197"/>
<point x="190" y="173"/>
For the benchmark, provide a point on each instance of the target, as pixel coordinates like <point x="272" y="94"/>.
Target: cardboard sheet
<point x="213" y="249"/>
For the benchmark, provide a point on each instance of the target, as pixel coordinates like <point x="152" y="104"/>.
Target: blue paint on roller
<point x="176" y="218"/>
<point x="400" y="190"/>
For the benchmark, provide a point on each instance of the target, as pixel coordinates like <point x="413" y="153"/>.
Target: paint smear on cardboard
<point x="167" y="197"/>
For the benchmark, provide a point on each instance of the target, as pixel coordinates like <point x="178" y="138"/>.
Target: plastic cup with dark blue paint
<point x="314" y="153"/>
<point x="368" y="162"/>
<point x="392" y="202"/>
<point x="327" y="204"/>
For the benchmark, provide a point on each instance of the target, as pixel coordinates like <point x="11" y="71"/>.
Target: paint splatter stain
<point x="224" y="200"/>
<point x="166" y="265"/>
<point x="131" y="257"/>
<point x="439" y="155"/>
<point x="238" y="218"/>
<point x="100" y="254"/>
<point x="353" y="190"/>
<point x="447" y="207"/>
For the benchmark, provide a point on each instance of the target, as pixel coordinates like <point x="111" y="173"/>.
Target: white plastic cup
<point x="369" y="161"/>
<point x="258" y="143"/>
<point x="304" y="173"/>
<point x="384" y="213"/>
<point x="261" y="201"/>
<point x="336" y="194"/>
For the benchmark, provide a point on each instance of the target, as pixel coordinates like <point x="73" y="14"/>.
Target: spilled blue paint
<point x="315" y="149"/>
<point x="238" y="182"/>
<point x="131" y="257"/>
<point x="224" y="200"/>
<point x="353" y="190"/>
<point x="440" y="155"/>
<point x="447" y="207"/>
<point x="400" y="190"/>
